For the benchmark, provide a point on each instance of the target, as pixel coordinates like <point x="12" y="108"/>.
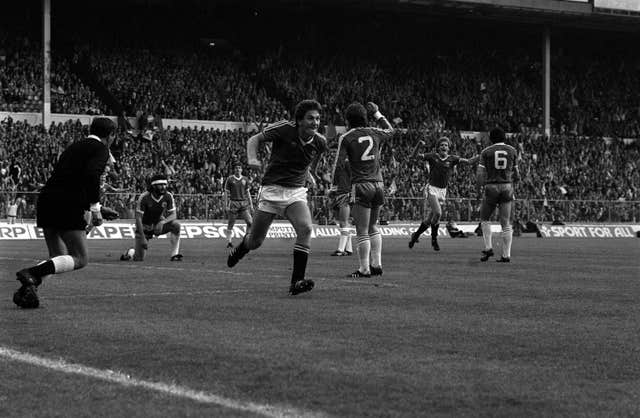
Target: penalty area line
<point x="174" y="390"/>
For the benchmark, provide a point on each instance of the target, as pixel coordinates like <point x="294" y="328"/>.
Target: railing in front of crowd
<point x="211" y="206"/>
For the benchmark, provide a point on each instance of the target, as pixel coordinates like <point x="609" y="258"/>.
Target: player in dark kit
<point x="155" y="215"/>
<point x="297" y="147"/>
<point x="340" y="197"/>
<point x="73" y="188"/>
<point x="237" y="200"/>
<point x="441" y="166"/>
<point x="497" y="171"/>
<point x="360" y="145"/>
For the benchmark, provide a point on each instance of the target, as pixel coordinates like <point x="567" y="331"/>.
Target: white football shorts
<point x="439" y="192"/>
<point x="276" y="199"/>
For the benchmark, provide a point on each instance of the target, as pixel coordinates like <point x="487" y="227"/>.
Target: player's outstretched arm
<point x="470" y="161"/>
<point x="414" y="153"/>
<point x="253" y="144"/>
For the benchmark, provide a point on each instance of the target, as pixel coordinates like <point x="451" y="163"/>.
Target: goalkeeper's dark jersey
<point x="291" y="155"/>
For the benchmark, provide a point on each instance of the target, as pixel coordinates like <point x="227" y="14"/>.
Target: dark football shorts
<point x="166" y="228"/>
<point x="340" y="200"/>
<point x="368" y="195"/>
<point x="496" y="193"/>
<point x="238" y="207"/>
<point x="57" y="212"/>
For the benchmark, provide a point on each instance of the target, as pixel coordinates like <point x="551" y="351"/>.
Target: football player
<point x="296" y="148"/>
<point x="155" y="216"/>
<point x="441" y="166"/>
<point x="340" y="201"/>
<point x="74" y="186"/>
<point x="497" y="171"/>
<point x="237" y="200"/>
<point x="360" y="145"/>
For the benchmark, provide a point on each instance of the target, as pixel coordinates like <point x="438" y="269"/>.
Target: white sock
<point x="230" y="234"/>
<point x="342" y="242"/>
<point x="349" y="246"/>
<point x="376" y="249"/>
<point x="175" y="243"/>
<point x="364" y="248"/>
<point x="63" y="263"/>
<point x="507" y="238"/>
<point x="486" y="235"/>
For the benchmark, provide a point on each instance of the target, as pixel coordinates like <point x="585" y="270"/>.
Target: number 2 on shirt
<point x="365" y="155"/>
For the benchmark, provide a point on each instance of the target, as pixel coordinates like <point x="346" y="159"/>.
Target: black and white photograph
<point x="320" y="208"/>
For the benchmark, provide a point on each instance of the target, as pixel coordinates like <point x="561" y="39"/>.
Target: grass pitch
<point x="554" y="333"/>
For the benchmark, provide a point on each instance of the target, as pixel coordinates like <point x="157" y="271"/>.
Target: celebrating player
<point x="360" y="145"/>
<point x="340" y="203"/>
<point x="441" y="165"/>
<point x="155" y="216"/>
<point x="497" y="171"/>
<point x="237" y="200"/>
<point x="297" y="147"/>
<point x="73" y="187"/>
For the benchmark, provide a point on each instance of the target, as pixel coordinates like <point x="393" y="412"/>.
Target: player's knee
<point x="175" y="227"/>
<point x="304" y="231"/>
<point x="80" y="261"/>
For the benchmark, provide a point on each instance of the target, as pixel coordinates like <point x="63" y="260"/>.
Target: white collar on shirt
<point x="95" y="137"/>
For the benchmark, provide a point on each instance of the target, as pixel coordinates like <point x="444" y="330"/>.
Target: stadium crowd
<point x="450" y="87"/>
<point x="563" y="168"/>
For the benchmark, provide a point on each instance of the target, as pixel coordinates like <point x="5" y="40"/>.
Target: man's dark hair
<point x="102" y="127"/>
<point x="356" y="115"/>
<point x="303" y="107"/>
<point x="496" y="135"/>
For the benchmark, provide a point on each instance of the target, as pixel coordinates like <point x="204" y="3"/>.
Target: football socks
<point x="376" y="249"/>
<point x="300" y="257"/>
<point x="486" y="234"/>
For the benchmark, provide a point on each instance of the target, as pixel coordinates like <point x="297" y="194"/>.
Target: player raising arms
<point x="237" y="200"/>
<point x="155" y="216"/>
<point x="296" y="147"/>
<point x="441" y="165"/>
<point x="497" y="171"/>
<point x="341" y="205"/>
<point x="360" y="145"/>
<point x="74" y="186"/>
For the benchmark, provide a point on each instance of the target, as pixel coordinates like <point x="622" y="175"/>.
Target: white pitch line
<point x="276" y="411"/>
<point x="150" y="294"/>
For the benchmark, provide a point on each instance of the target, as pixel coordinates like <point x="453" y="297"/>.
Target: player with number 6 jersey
<point x="360" y="145"/>
<point x="497" y="171"/>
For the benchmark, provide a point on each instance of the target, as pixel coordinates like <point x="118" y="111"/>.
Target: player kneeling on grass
<point x="155" y="216"/>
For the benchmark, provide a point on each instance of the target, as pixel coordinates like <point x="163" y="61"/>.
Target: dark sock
<point x="423" y="227"/>
<point x="300" y="257"/>
<point x="242" y="247"/>
<point x="43" y="269"/>
<point x="434" y="231"/>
